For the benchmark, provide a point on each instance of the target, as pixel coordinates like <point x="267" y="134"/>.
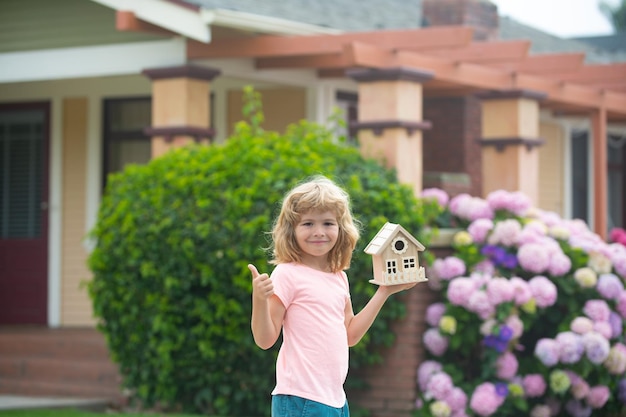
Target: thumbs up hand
<point x="262" y="287"/>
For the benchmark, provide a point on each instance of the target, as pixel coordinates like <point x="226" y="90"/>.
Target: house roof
<point x="384" y="236"/>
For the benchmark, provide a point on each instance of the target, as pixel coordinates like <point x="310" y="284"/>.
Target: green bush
<point x="173" y="238"/>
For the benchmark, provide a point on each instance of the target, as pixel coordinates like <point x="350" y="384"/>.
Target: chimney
<point x="482" y="15"/>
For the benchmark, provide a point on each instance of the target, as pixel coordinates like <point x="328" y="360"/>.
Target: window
<point x="580" y="170"/>
<point x="124" y="141"/>
<point x="616" y="180"/>
<point x="348" y="103"/>
<point x="392" y="267"/>
<point x="408" y="263"/>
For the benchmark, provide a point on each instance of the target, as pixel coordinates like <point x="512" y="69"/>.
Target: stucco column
<point x="510" y="130"/>
<point x="390" y="119"/>
<point x="180" y="106"/>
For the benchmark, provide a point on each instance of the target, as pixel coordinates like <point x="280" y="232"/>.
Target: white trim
<point x="55" y="210"/>
<point x="262" y="24"/>
<point x="93" y="61"/>
<point x="567" y="169"/>
<point x="165" y="14"/>
<point x="93" y="191"/>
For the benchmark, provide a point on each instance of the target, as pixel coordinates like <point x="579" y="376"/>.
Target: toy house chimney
<point x="482" y="15"/>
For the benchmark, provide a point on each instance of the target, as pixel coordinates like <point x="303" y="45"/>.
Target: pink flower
<point x="427" y="369"/>
<point x="533" y="257"/>
<point x="479" y="303"/>
<point x="516" y="202"/>
<point x="516" y="325"/>
<point x="440" y="385"/>
<point x="616" y="323"/>
<point x="435" y="342"/>
<point x="434" y="313"/>
<point x="436" y="193"/>
<point x="500" y="290"/>
<point x="506" y="366"/>
<point x="457" y="399"/>
<point x="533" y="232"/>
<point x="547" y="351"/>
<point x="617" y="253"/>
<point x="460" y="290"/>
<point x="521" y="291"/>
<point x="485" y="267"/>
<point x="604" y="328"/>
<point x="505" y="233"/>
<point x="598" y="396"/>
<point x="579" y="388"/>
<point x="609" y="286"/>
<point x="570" y="346"/>
<point x="544" y="291"/>
<point x="597" y="310"/>
<point x="534" y="385"/>
<point x="560" y="264"/>
<point x="470" y="208"/>
<point x="449" y="267"/>
<point x="485" y="401"/>
<point x="596" y="347"/>
<point x="581" y="325"/>
<point x="479" y="229"/>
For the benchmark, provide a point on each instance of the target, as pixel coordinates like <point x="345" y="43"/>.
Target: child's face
<point x="316" y="234"/>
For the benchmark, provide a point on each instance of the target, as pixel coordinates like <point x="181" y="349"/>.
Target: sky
<point x="563" y="18"/>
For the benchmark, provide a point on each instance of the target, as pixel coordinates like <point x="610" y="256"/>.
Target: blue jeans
<point x="292" y="406"/>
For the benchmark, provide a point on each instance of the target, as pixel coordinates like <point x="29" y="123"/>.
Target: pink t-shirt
<point x="313" y="359"/>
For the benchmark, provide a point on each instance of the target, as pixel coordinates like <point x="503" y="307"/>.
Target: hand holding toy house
<point x="395" y="256"/>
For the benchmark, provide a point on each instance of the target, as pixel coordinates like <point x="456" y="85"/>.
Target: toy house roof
<point x="384" y="236"/>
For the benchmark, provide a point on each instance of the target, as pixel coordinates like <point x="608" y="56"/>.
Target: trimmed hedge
<point x="173" y="238"/>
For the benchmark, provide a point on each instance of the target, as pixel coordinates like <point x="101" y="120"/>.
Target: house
<point x="395" y="256"/>
<point x="465" y="101"/>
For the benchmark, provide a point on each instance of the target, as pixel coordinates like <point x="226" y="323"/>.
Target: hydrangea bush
<point x="531" y="315"/>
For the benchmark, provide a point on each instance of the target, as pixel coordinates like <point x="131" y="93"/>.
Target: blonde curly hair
<point x="317" y="194"/>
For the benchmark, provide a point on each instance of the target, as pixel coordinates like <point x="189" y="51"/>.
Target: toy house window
<point x="399" y="245"/>
<point x="408" y="263"/>
<point x="392" y="267"/>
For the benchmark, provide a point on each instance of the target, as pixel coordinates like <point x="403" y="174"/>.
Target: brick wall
<point x="482" y="15"/>
<point x="451" y="145"/>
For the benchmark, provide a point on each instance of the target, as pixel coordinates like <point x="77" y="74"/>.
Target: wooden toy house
<point x="395" y="256"/>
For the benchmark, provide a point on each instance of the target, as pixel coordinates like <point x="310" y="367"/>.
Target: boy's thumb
<point x="254" y="271"/>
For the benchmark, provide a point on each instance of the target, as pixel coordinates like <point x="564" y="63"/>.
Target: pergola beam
<point x="277" y="46"/>
<point x="485" y="52"/>
<point x="546" y="63"/>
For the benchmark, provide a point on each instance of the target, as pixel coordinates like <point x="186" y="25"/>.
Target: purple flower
<point x="479" y="229"/>
<point x="620" y="306"/>
<point x="534" y="385"/>
<point x="570" y="346"/>
<point x="435" y="342"/>
<point x="434" y="312"/>
<point x="460" y="290"/>
<point x="506" y="366"/>
<point x="437" y="194"/>
<point x="485" y="401"/>
<point x="597" y="310"/>
<point x="425" y="371"/>
<point x="598" y="396"/>
<point x="502" y="389"/>
<point x="505" y="333"/>
<point x="533" y="257"/>
<point x="616" y="323"/>
<point x="509" y="261"/>
<point x="609" y="286"/>
<point x="516" y="325"/>
<point x="596" y="347"/>
<point x="577" y="409"/>
<point x="544" y="291"/>
<point x="547" y="350"/>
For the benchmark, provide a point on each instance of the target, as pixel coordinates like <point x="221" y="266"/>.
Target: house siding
<point x="551" y="168"/>
<point x="29" y="25"/>
<point x="75" y="304"/>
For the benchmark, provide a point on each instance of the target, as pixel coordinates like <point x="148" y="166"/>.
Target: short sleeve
<point x="283" y="284"/>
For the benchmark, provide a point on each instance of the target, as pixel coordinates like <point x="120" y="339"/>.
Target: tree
<point x="615" y="13"/>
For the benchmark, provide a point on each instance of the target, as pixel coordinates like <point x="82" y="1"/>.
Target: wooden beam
<point x="546" y="63"/>
<point x="331" y="60"/>
<point x="591" y="73"/>
<point x="485" y="52"/>
<point x="275" y="46"/>
<point x="126" y="21"/>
